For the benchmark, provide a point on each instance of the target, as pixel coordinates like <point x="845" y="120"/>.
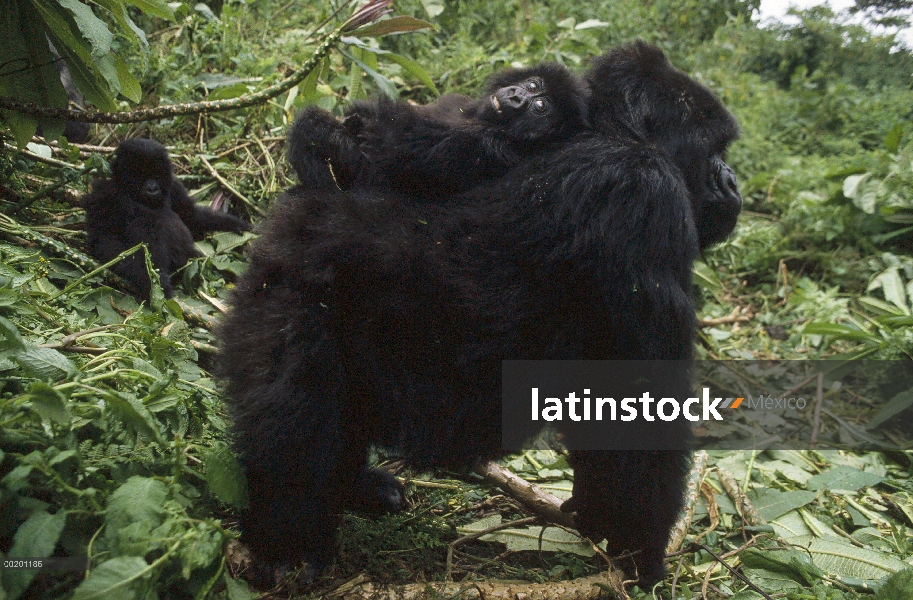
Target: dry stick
<point x="722" y="561"/>
<point x="37" y="157"/>
<point x="532" y="496"/>
<point x="473" y="536"/>
<point x="585" y="588"/>
<point x="733" y="317"/>
<point x="548" y="506"/>
<point x="819" y="399"/>
<point x="746" y="509"/>
<point x="680" y="530"/>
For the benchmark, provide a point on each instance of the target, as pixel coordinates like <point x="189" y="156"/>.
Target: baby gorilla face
<point x="538" y="104"/>
<point x="511" y="102"/>
<point x="143" y="166"/>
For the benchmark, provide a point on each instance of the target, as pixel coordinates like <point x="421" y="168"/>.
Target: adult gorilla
<point x="371" y="318"/>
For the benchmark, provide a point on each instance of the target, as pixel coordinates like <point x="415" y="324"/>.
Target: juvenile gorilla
<point x="369" y="318"/>
<point x="443" y="148"/>
<point x="144" y="202"/>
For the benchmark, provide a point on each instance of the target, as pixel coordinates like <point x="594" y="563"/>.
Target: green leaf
<point x="898" y="585"/>
<point x="385" y="85"/>
<point x="881" y="306"/>
<point x="36" y="538"/>
<point x="129" y="86"/>
<point x="845" y="560"/>
<point x="156" y="8"/>
<point x="433" y="7"/>
<point x="838" y="331"/>
<point x="9" y="336"/>
<point x="414" y="68"/>
<point x="121" y="578"/>
<point x="237" y="589"/>
<point x="705" y="277"/>
<point x="225" y="477"/>
<point x="86" y="76"/>
<point x="132" y="412"/>
<point x="138" y="500"/>
<point x="49" y="403"/>
<point x="895" y="405"/>
<point x="772" y="504"/>
<point x="892" y="140"/>
<point x="591" y="23"/>
<point x="410" y="65"/>
<point x="93" y="29"/>
<point x="518" y="539"/>
<point x="46" y="364"/>
<point x="399" y="24"/>
<point x="35" y="79"/>
<point x="843" y="478"/>
<point x="796" y="564"/>
<point x="893" y="288"/>
<point x="124" y="22"/>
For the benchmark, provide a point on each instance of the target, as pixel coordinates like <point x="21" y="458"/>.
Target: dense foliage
<point x="112" y="433"/>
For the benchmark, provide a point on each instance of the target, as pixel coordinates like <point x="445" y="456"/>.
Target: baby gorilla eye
<point x="540" y="105"/>
<point x="534" y="86"/>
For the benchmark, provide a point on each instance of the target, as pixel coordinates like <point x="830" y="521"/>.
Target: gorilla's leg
<point x="631" y="498"/>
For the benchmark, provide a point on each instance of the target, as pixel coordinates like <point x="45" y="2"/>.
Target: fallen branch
<point x="680" y="530"/>
<point x="579" y="589"/>
<point x="749" y="513"/>
<point x="733" y="317"/>
<point x="529" y="495"/>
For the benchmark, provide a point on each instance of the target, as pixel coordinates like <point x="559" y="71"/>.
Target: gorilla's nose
<point x="514" y="97"/>
<point x="730" y="186"/>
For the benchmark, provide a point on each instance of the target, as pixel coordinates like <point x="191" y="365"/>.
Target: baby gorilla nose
<point x="513" y="97"/>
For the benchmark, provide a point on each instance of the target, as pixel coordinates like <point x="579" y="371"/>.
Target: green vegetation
<point x="112" y="431"/>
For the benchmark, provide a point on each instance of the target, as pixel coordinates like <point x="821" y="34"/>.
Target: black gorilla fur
<point x="443" y="148"/>
<point x="369" y="318"/>
<point x="144" y="202"/>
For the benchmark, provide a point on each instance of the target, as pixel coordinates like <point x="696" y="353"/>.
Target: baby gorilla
<point x="144" y="202"/>
<point x="446" y="147"/>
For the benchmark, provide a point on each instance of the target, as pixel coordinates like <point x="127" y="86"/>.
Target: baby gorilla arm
<point x="446" y="147"/>
<point x="199" y="219"/>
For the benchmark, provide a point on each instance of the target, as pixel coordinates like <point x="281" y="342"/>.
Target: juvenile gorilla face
<point x="535" y="104"/>
<point x="143" y="165"/>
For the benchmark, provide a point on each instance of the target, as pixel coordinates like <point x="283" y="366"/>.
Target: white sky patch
<point x="776" y="10"/>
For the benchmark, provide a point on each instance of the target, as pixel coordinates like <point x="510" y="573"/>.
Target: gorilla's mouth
<point x="496" y="105"/>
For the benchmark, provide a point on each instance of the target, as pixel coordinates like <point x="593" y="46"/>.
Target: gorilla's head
<point x="142" y="166"/>
<point x="637" y="92"/>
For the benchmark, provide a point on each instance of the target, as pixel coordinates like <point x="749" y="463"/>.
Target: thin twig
<point x="231" y="188"/>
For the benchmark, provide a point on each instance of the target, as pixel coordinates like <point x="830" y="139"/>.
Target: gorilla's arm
<point x="434" y="150"/>
<point x="325" y="152"/>
<point x="395" y="146"/>
<point x="199" y="219"/>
